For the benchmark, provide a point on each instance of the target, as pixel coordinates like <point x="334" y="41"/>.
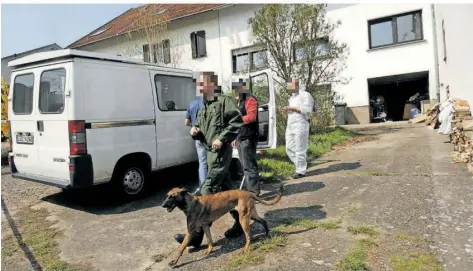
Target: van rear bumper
<point x="80" y="168"/>
<point x="41" y="179"/>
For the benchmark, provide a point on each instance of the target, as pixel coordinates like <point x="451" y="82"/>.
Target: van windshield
<point x="23" y="94"/>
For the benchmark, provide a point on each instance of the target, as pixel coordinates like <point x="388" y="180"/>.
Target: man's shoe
<point x="179" y="238"/>
<point x="235" y="230"/>
<point x="195" y="241"/>
<point x="298" y="176"/>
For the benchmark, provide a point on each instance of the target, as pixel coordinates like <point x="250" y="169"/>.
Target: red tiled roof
<point x="126" y="22"/>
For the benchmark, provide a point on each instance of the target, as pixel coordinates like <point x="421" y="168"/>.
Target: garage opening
<point x="393" y="97"/>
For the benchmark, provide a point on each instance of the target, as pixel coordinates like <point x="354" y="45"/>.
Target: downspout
<point x="436" y="49"/>
<point x="220" y="44"/>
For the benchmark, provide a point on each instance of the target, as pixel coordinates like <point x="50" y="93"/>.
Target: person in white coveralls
<point x="298" y="112"/>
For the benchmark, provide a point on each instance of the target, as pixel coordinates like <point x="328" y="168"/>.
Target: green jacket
<point x="220" y="119"/>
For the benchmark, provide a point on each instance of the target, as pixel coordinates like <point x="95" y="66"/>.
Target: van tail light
<point x="77" y="137"/>
<point x="10" y="140"/>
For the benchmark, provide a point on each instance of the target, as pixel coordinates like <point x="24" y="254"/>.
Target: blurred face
<point x="239" y="89"/>
<point x="206" y="86"/>
<point x="293" y="86"/>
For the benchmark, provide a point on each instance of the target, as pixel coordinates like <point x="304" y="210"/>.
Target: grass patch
<point x="302" y="223"/>
<point x="308" y="224"/>
<point x="276" y="163"/>
<point x="363" y="230"/>
<point x="406" y="236"/>
<point x="246" y="259"/>
<point x="158" y="257"/>
<point x="330" y="224"/>
<point x="9" y="246"/>
<point x="278" y="240"/>
<point x="356" y="257"/>
<point x="39" y="237"/>
<point x="416" y="262"/>
<point x="256" y="254"/>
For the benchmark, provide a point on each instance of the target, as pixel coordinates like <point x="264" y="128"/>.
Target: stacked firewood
<point x="433" y="116"/>
<point x="462" y="131"/>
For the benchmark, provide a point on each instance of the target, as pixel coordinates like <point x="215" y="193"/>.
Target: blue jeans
<point x="202" y="154"/>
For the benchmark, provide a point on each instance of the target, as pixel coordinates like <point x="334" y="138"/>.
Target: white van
<point x="79" y="119"/>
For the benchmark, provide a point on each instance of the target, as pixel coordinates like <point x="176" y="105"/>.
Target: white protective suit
<point x="297" y="130"/>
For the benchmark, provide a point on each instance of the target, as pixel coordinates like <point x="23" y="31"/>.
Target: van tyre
<point x="129" y="180"/>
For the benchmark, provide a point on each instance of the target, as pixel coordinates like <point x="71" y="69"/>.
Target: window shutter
<point x="146" y="57"/>
<point x="167" y="51"/>
<point x="201" y="44"/>
<point x="194" y="45"/>
<point x="156" y="55"/>
<point x="234" y="60"/>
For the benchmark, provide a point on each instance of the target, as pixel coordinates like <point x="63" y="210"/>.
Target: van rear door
<point x="39" y="123"/>
<point x="22" y="116"/>
<point x="52" y="121"/>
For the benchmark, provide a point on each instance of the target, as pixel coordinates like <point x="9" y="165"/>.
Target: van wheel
<point x="130" y="180"/>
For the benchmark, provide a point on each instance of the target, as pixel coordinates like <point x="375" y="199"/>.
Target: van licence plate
<point x="25" y="139"/>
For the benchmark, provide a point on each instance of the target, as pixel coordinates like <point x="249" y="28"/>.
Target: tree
<point x="5" y="89"/>
<point x="301" y="44"/>
<point x="150" y="30"/>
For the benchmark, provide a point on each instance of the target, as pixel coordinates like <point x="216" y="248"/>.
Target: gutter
<point x="436" y="50"/>
<point x="175" y="19"/>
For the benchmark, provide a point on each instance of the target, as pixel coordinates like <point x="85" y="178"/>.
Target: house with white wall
<point x="455" y="56"/>
<point x="393" y="49"/>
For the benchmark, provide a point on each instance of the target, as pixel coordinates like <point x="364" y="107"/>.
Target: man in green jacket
<point x="217" y="126"/>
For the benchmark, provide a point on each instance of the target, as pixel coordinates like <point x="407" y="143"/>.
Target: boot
<point x="235" y="230"/>
<point x="196" y="238"/>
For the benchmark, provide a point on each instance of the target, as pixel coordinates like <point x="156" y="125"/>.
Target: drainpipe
<point x="220" y="44"/>
<point x="436" y="49"/>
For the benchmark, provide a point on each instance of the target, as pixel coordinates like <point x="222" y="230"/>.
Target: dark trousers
<point x="247" y="153"/>
<point x="218" y="164"/>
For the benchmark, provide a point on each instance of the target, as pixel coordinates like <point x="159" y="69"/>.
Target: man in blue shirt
<point x="191" y="118"/>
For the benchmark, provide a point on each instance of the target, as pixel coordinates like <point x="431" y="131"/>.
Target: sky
<point x="28" y="26"/>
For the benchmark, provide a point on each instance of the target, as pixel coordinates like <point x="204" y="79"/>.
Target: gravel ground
<point x="403" y="183"/>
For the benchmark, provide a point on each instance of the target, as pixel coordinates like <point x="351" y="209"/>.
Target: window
<point x="146" y="55"/>
<point x="249" y="59"/>
<point x="198" y="44"/>
<point x="174" y="93"/>
<point x="98" y="32"/>
<point x="395" y="29"/>
<point x="319" y="48"/>
<point x="51" y="91"/>
<point x="23" y="94"/>
<point x="162" y="52"/>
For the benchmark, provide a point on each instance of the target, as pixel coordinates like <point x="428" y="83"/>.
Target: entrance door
<point x="261" y="86"/>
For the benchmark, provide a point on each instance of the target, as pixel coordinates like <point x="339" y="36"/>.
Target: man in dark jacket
<point x="217" y="126"/>
<point x="246" y="144"/>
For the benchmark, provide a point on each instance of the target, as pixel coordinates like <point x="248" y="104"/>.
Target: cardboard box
<point x="407" y="111"/>
<point x="425" y="105"/>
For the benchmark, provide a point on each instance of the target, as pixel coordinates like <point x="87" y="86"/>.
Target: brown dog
<point x="203" y="210"/>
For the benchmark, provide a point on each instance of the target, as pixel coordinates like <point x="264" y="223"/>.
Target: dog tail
<point x="269" y="202"/>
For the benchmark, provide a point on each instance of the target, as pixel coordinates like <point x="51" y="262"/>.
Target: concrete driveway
<point x="402" y="185"/>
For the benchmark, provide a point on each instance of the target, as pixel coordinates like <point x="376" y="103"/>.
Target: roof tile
<point x="129" y="20"/>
